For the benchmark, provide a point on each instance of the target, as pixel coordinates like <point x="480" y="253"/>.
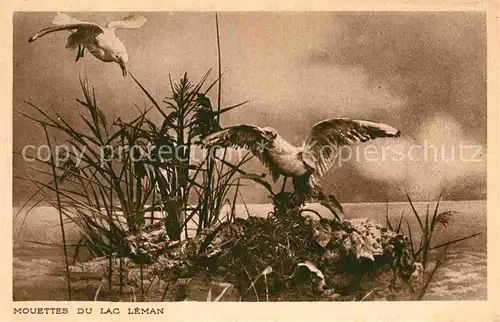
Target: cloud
<point x="436" y="61"/>
<point x="289" y="92"/>
<point x="439" y="157"/>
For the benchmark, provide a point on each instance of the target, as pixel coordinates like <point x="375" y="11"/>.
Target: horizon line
<point x="347" y="203"/>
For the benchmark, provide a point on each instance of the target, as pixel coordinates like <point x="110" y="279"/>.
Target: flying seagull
<point x="102" y="42"/>
<point x="305" y="164"/>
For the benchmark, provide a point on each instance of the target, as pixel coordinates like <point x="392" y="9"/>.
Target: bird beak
<point x="123" y="66"/>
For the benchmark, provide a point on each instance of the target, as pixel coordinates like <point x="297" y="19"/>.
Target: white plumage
<point x="102" y="42"/>
<point x="305" y="164"/>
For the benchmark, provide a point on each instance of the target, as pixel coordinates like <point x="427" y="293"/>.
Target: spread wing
<point x="129" y="22"/>
<point x="62" y="19"/>
<point x="248" y="137"/>
<point x="326" y="137"/>
<point x="81" y="30"/>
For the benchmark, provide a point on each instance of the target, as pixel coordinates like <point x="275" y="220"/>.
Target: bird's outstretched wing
<point x="248" y="137"/>
<point x="129" y="22"/>
<point x="79" y="35"/>
<point x="326" y="137"/>
<point x="82" y="30"/>
<point x="62" y="19"/>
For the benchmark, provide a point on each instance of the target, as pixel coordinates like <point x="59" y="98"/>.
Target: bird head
<point x="270" y="133"/>
<point x="122" y="59"/>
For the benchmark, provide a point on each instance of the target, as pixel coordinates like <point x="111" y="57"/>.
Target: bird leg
<point x="284" y="183"/>
<point x="78" y="53"/>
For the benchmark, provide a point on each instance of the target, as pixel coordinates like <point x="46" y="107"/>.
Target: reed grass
<point x="109" y="200"/>
<point x="428" y="224"/>
<point x="110" y="192"/>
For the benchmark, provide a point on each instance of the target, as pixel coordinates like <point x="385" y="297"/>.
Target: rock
<point x="94" y="269"/>
<point x="168" y="268"/>
<point x="145" y="246"/>
<point x="331" y="295"/>
<point x="364" y="240"/>
<point x="346" y="260"/>
<point x="417" y="277"/>
<point x="134" y="276"/>
<point x="198" y="288"/>
<point x="322" y="233"/>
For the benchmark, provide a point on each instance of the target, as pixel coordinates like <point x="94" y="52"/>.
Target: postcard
<point x="294" y="161"/>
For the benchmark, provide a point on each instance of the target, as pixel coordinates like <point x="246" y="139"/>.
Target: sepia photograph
<point x="249" y="156"/>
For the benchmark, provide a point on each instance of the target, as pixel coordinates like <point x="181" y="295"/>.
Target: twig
<point x="368" y="294"/>
<point x="439" y="262"/>
<point x="267" y="291"/>
<point x="165" y="292"/>
<point x="251" y="285"/>
<point x="97" y="292"/>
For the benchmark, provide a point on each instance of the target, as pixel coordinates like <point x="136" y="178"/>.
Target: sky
<point x="423" y="73"/>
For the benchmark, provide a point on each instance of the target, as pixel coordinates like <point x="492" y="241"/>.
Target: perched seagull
<point x="304" y="164"/>
<point x="102" y="42"/>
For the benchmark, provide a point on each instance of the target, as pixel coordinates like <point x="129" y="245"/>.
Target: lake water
<point x="37" y="268"/>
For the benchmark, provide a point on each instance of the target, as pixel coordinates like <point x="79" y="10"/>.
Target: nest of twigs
<point x="291" y="256"/>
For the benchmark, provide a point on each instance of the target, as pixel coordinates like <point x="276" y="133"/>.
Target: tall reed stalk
<point x="63" y="233"/>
